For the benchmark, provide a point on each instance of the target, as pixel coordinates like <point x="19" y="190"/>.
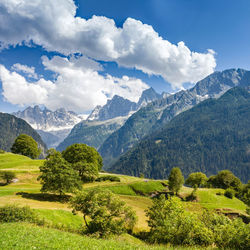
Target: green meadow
<point x="61" y="228"/>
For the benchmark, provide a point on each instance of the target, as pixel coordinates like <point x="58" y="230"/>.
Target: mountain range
<point x="212" y="136"/>
<point x="120" y="125"/>
<point x="159" y="112"/>
<point x="104" y="120"/>
<point x="53" y="126"/>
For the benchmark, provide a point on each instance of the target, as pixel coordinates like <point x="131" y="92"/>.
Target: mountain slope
<point x="103" y="121"/>
<point x="212" y="136"/>
<point x="92" y="133"/>
<point x="11" y="127"/>
<point x="160" y="112"/>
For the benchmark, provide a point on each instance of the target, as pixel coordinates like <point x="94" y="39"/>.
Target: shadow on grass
<point x="3" y="184"/>
<point x="45" y="197"/>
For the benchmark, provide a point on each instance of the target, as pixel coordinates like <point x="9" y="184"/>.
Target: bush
<point x="13" y="213"/>
<point x="108" y="178"/>
<point x="2" y="151"/>
<point x="170" y="223"/>
<point x="229" y="193"/>
<point x="8" y="176"/>
<point x="228" y="234"/>
<point x="233" y="235"/>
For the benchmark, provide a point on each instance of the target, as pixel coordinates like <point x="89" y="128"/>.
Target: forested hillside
<point x="11" y="127"/>
<point x="158" y="113"/>
<point x="212" y="136"/>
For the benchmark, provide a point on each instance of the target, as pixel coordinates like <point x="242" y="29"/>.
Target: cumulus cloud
<point x="29" y="71"/>
<point x="78" y="85"/>
<point x="55" y="26"/>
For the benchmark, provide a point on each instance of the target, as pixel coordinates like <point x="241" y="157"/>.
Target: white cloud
<point x="78" y="85"/>
<point x="54" y="25"/>
<point x="29" y="71"/>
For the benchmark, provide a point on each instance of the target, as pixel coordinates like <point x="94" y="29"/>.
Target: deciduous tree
<point x="175" y="180"/>
<point x="26" y="145"/>
<point x="106" y="213"/>
<point x="196" y="179"/>
<point x="85" y="159"/>
<point x="57" y="175"/>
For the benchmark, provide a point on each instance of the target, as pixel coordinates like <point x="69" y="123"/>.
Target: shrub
<point x="13" y="213"/>
<point x="229" y="193"/>
<point x="2" y="151"/>
<point x="228" y="234"/>
<point x="233" y="235"/>
<point x="170" y="223"/>
<point x="108" y="178"/>
<point x="8" y="176"/>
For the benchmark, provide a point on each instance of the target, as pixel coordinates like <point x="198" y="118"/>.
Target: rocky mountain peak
<point x="48" y="120"/>
<point x="147" y="96"/>
<point x="119" y="106"/>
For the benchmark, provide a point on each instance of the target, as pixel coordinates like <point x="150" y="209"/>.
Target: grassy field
<point x="27" y="236"/>
<point x="133" y="190"/>
<point x="19" y="163"/>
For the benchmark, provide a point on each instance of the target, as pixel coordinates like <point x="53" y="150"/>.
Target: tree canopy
<point x="225" y="179"/>
<point x="85" y="159"/>
<point x="175" y="180"/>
<point x="57" y="175"/>
<point x="107" y="213"/>
<point x="26" y="145"/>
<point x="196" y="179"/>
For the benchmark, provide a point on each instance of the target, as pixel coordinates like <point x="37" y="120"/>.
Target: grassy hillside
<point x="27" y="236"/>
<point x="14" y="162"/>
<point x="56" y="214"/>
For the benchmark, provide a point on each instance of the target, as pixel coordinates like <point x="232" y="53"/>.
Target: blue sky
<point x="53" y="35"/>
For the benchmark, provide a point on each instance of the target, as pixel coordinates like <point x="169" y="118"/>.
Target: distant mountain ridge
<point x="159" y="112"/>
<point x="212" y="136"/>
<point x="53" y="126"/>
<point x="11" y="127"/>
<point x="104" y="120"/>
<point x="47" y="120"/>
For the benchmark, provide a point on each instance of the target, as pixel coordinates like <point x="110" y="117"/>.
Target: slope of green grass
<point x="136" y="188"/>
<point x="27" y="236"/>
<point x="208" y="199"/>
<point x="60" y="219"/>
<point x="9" y="161"/>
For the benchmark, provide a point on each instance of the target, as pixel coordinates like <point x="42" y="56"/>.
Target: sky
<point x="78" y="54"/>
